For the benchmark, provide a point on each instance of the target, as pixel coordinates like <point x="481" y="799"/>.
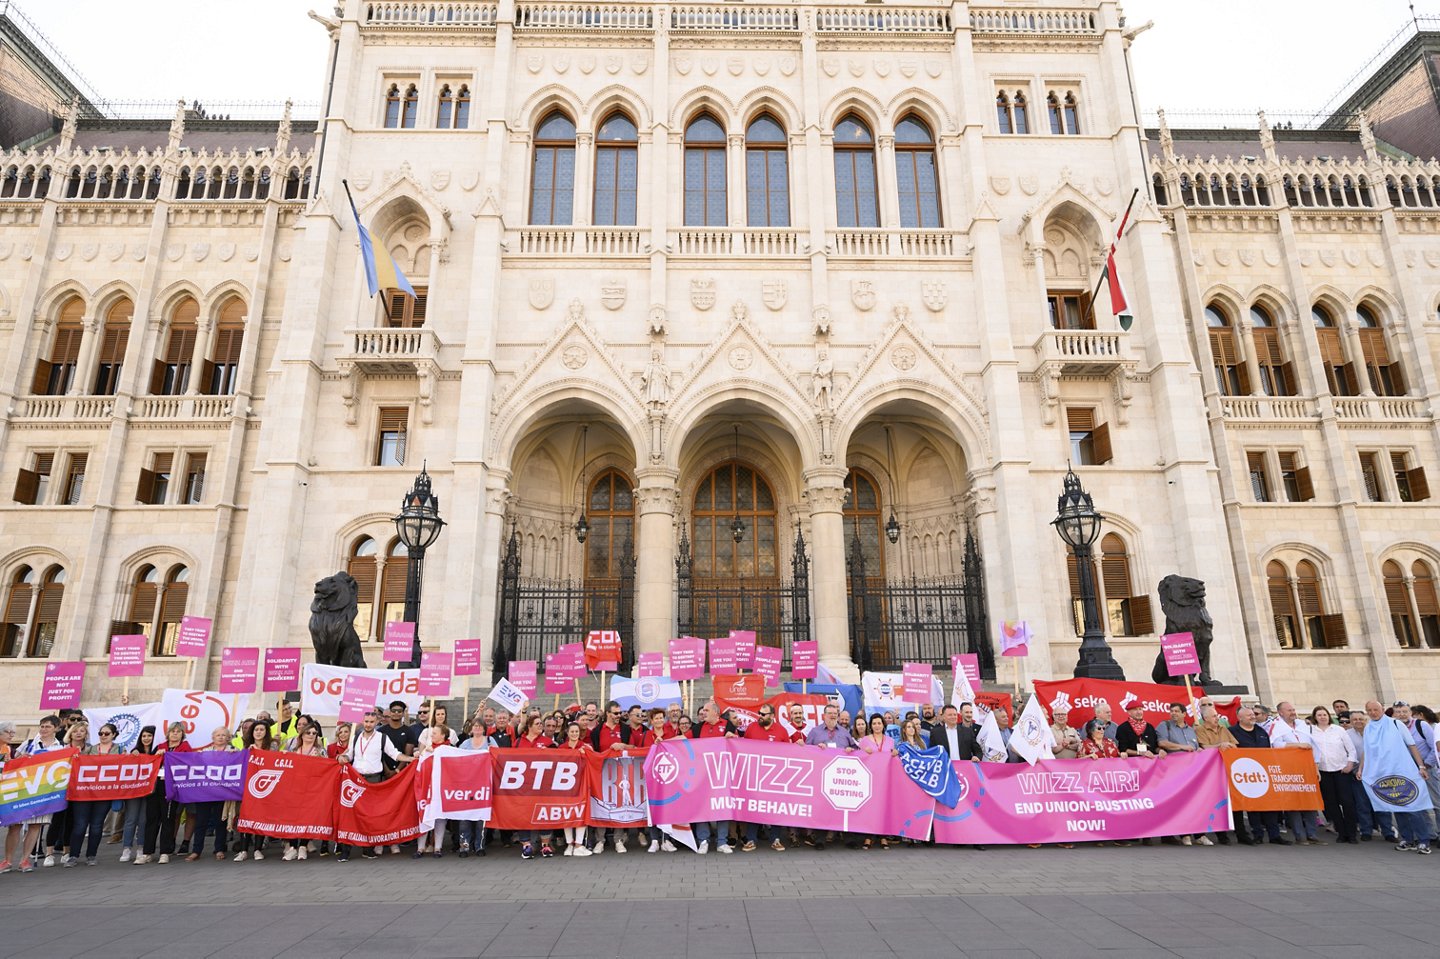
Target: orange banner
<point x="1265" y="780"/>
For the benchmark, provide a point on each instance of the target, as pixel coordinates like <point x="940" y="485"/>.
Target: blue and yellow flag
<point x="381" y="270"/>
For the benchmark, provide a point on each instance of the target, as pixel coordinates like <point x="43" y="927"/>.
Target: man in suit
<point x="958" y="740"/>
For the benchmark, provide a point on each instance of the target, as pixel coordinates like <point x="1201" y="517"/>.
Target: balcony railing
<point x="1033" y="21"/>
<point x="871" y="20"/>
<point x="384" y="350"/>
<point x="1082" y="351"/>
<point x="870" y="242"/>
<point x="183" y="407"/>
<point x="725" y="241"/>
<point x="1269" y="407"/>
<point x="1380" y="408"/>
<point x="435" y="15"/>
<point x="581" y="241"/>
<point x="76" y="408"/>
<point x="606" y="17"/>
<point x="725" y="18"/>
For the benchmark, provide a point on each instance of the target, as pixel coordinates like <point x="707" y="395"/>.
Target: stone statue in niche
<point x="822" y="379"/>
<point x="821" y="316"/>
<point x="1182" y="599"/>
<point x="656" y="380"/>
<point x="332" y="622"/>
<point x="657" y="320"/>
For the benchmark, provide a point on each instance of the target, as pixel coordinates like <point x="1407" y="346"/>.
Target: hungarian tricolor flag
<point x="1110" y="276"/>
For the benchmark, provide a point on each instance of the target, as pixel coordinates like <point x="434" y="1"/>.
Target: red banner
<point x="289" y="796"/>
<point x="376" y="814"/>
<point x="743" y="694"/>
<point x="111" y="777"/>
<point x="1082" y="695"/>
<point x="617" y="789"/>
<point x="540" y="788"/>
<point x="994" y="701"/>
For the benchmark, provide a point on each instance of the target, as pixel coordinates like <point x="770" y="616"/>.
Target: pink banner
<point x="724" y="657"/>
<point x="522" y="674"/>
<point x="767" y="664"/>
<point x="744" y="647"/>
<point x="399" y="641"/>
<point x="650" y="664"/>
<point x="687" y="658"/>
<point x="194" y="636"/>
<point x="557" y="680"/>
<point x="239" y="669"/>
<point x="435" y="673"/>
<point x="805" y="659"/>
<point x="1180" y="656"/>
<point x="467" y="657"/>
<point x="570" y="661"/>
<point x="915" y="680"/>
<point x="357" y="697"/>
<point x="705" y="780"/>
<point x="282" y="670"/>
<point x="970" y="662"/>
<point x="1065" y="800"/>
<point x="60" y="688"/>
<point x="127" y="655"/>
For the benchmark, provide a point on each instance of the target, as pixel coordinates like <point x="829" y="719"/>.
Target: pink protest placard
<point x="60" y="689"/>
<point x="557" y="679"/>
<point x="1180" y="656"/>
<point x="970" y="662"/>
<point x="357" y="697"/>
<point x="767" y="664"/>
<point x="650" y="664"/>
<point x="744" y="647"/>
<point x="724" y="657"/>
<point x="127" y="655"/>
<point x="522" y="674"/>
<point x="805" y="659"/>
<point x="687" y="658"/>
<point x="570" y="658"/>
<point x="915" y="680"/>
<point x="399" y="641"/>
<point x="194" y="636"/>
<point x="435" y="673"/>
<point x="282" y="670"/>
<point x="239" y="669"/>
<point x="467" y="657"/>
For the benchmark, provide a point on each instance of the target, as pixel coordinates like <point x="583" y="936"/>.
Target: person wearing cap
<point x="1136" y="738"/>
<point x="1289" y="731"/>
<point x="1067" y="740"/>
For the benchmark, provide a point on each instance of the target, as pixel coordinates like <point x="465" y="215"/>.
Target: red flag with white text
<point x="289" y="796"/>
<point x="539" y="788"/>
<point x="376" y="814"/>
<point x="110" y="777"/>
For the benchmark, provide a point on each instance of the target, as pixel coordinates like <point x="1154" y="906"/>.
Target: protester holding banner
<point x="89" y="816"/>
<point x="210" y="815"/>
<point x="309" y="742"/>
<point x="712" y="726"/>
<point x="431" y="740"/>
<point x="575" y="740"/>
<point x="1067" y="740"/>
<point x="262" y="738"/>
<point x="1289" y="731"/>
<point x="1256" y="824"/>
<point x="1393" y="772"/>
<point x="132" y="833"/>
<point x="1421" y="723"/>
<point x="1097" y="745"/>
<point x="1211" y="733"/>
<point x="1336" y="759"/>
<point x="74" y="734"/>
<point x="162" y="814"/>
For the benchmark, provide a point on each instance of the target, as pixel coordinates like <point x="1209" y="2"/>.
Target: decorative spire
<point x="1267" y="139"/>
<point x="282" y="135"/>
<point x="72" y="117"/>
<point x="1167" y="142"/>
<point x="177" y="125"/>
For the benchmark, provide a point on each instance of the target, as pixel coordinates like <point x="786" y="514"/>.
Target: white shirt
<point x="366" y="752"/>
<point x="1282" y="734"/>
<point x="1357" y="739"/>
<point x="1333" y="748"/>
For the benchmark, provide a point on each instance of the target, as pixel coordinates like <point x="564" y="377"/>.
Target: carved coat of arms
<point x="702" y="294"/>
<point x="542" y="293"/>
<point x="934" y="295"/>
<point x="612" y="293"/>
<point x="862" y="294"/>
<point x="774" y="293"/>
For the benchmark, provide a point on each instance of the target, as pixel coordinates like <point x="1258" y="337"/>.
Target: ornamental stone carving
<point x="933" y="295"/>
<point x="542" y="293"/>
<point x="903" y="359"/>
<point x="774" y="293"/>
<point x="741" y="358"/>
<point x="862" y="294"/>
<point x="821" y="316"/>
<point x="574" y="356"/>
<point x="822" y="380"/>
<point x="702" y="293"/>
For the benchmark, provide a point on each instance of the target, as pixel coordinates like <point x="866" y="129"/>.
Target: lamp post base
<point x="1097" y="662"/>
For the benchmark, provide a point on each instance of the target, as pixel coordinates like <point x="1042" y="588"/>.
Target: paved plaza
<point x="1130" y="903"/>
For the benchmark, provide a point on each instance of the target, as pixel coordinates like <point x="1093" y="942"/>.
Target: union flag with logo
<point x="112" y="776"/>
<point x="289" y="796"/>
<point x="377" y="814"/>
<point x="540" y="788"/>
<point x="617" y="789"/>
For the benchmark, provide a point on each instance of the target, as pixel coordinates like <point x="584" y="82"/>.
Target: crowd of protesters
<point x="155" y="829"/>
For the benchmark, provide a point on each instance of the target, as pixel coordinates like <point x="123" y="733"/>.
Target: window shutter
<point x="362" y="568"/>
<point x="17" y="607"/>
<point x="51" y="596"/>
<point x="1419" y="486"/>
<point x="145" y="489"/>
<point x="1291" y="384"/>
<point x="1304" y="485"/>
<point x="395" y="307"/>
<point x="1333" y="629"/>
<point x="1425" y="597"/>
<point x="1080" y="420"/>
<point x="157" y="378"/>
<point x="66" y="348"/>
<point x="417" y="307"/>
<point x="1116" y="570"/>
<point x="75" y="481"/>
<point x="173" y="606"/>
<point x="1309" y="591"/>
<point x="41" y="383"/>
<point x="181" y="346"/>
<point x="1280" y="599"/>
<point x="207" y="377"/>
<point x="392" y="590"/>
<point x="1330" y="348"/>
<point x="27" y="487"/>
<point x="112" y="346"/>
<point x="142" y="603"/>
<point x="228" y="341"/>
<point x="1100" y="439"/>
<point x="1352" y="380"/>
<point x="1242" y="373"/>
<point x="1397" y="378"/>
<point x="1374" y="348"/>
<point x="1222" y="347"/>
<point x="1142" y="622"/>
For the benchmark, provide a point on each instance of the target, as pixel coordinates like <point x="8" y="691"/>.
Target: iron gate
<point x="778" y="610"/>
<point x="537" y="616"/>
<point x="918" y="620"/>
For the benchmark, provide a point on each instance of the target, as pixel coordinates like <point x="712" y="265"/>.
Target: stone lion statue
<point x="1182" y="599"/>
<point x="332" y="622"/>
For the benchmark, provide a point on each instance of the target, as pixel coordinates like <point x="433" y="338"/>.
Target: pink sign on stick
<point x="399" y="641"/>
<point x="194" y="636"/>
<point x="805" y="659"/>
<point x="522" y="674"/>
<point x="467" y="657"/>
<point x="724" y="657"/>
<point x="744" y="647"/>
<point x="915" y="679"/>
<point x="1180" y="656"/>
<point x="282" y="670"/>
<point x="357" y="697"/>
<point x="557" y="679"/>
<point x="650" y="664"/>
<point x="687" y="658"/>
<point x="127" y="655"/>
<point x="767" y="664"/>
<point x="60" y="689"/>
<point x="970" y="662"/>
<point x="239" y="669"/>
<point x="435" y="674"/>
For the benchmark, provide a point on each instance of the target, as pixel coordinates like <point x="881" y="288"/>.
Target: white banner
<point x="320" y="688"/>
<point x="128" y="720"/>
<point x="202" y="712"/>
<point x="508" y="696"/>
<point x="886" y="691"/>
<point x="456" y="792"/>
<point x="1032" y="739"/>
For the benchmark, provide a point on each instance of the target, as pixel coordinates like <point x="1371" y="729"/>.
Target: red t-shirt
<point x="536" y="743"/>
<point x="711" y="730"/>
<point x="609" y="737"/>
<point x="334" y="750"/>
<point x="774" y="734"/>
<point x="642" y="738"/>
<point x="577" y="745"/>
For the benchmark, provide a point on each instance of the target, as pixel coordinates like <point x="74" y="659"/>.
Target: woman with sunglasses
<point x="308" y="742"/>
<point x="89" y="817"/>
<point x="260" y="738"/>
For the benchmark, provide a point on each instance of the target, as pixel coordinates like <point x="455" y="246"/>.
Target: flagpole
<point x="1093" y="293"/>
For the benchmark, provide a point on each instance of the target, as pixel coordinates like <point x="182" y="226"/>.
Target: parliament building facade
<point x="729" y="315"/>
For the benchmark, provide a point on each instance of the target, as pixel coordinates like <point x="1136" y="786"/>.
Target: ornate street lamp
<point x="418" y="525"/>
<point x="737" y="525"/>
<point x="582" y="525"/>
<point x="1078" y="524"/>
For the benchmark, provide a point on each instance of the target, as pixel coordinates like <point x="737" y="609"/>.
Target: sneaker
<point x="259" y="855"/>
<point x="27" y="864"/>
<point x="142" y="859"/>
<point x="241" y="856"/>
<point x="569" y="849"/>
<point x="343" y="857"/>
<point x="416" y="854"/>
<point x="69" y="861"/>
<point x="369" y="854"/>
<point x="580" y="851"/>
<point x="164" y="858"/>
<point x="464" y="850"/>
<point x="653" y="847"/>
<point x="598" y="848"/>
<point x="290" y="854"/>
<point x="90" y="860"/>
<point x="1204" y="841"/>
<point x="667" y="846"/>
<point x="748" y="847"/>
<point x="703" y="847"/>
<point x="126" y="855"/>
<point x="1404" y="846"/>
<point x="1186" y="841"/>
<point x="725" y="848"/>
<point x="394" y="850"/>
<point x="49" y="860"/>
<point x="777" y="845"/>
<point x="302" y="853"/>
<point x="438" y="854"/>
<point x="619" y="847"/>
<point x="184" y="849"/>
<point x="1423" y="849"/>
<point x="545" y="852"/>
<point x="6" y="867"/>
<point x="527" y="851"/>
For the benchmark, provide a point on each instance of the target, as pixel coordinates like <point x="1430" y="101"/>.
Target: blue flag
<point x="1391" y="777"/>
<point x="931" y="770"/>
<point x="847" y="697"/>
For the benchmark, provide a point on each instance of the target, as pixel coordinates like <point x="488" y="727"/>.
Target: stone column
<point x="825" y="492"/>
<point x="84" y="379"/>
<point x="583" y="202"/>
<point x="656" y="499"/>
<point x="735" y="178"/>
<point x="1246" y="331"/>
